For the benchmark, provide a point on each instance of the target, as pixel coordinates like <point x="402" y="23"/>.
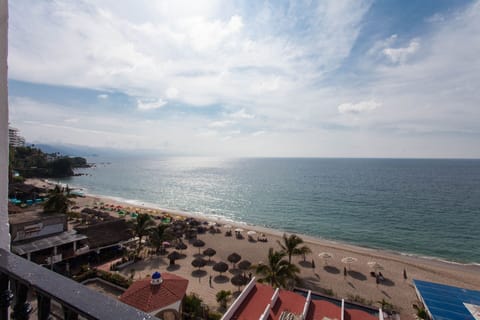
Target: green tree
<point x="192" y="306"/>
<point x="277" y="272"/>
<point x="61" y="168"/>
<point x="58" y="200"/>
<point x="159" y="234"/>
<point x="141" y="227"/>
<point x="290" y="246"/>
<point x="222" y="298"/>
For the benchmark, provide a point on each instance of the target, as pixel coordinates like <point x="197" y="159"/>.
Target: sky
<point x="352" y="78"/>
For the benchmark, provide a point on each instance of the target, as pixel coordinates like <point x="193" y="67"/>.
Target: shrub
<point x="214" y="315"/>
<point x="88" y="274"/>
<point x="192" y="306"/>
<point x="114" y="278"/>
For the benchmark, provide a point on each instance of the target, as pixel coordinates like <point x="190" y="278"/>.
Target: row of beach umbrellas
<point x="221" y="266"/>
<point x="250" y="233"/>
<point x="349" y="260"/>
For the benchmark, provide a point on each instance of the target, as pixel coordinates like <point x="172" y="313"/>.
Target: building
<point x="160" y="296"/>
<point x="44" y="238"/>
<point x="444" y="302"/>
<point x="262" y="302"/>
<point x="106" y="234"/>
<point x="14" y="138"/>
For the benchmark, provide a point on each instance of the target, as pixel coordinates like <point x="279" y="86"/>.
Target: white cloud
<point x="171" y="93"/>
<point x="360" y="107"/>
<point x="71" y="120"/>
<point x="241" y="114"/>
<point x="102" y="96"/>
<point x="262" y="70"/>
<point x="258" y="133"/>
<point x="150" y="104"/>
<point x="221" y="124"/>
<point x="202" y="51"/>
<point x="400" y="55"/>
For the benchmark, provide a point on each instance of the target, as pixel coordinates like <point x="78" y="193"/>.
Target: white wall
<point x="4" y="232"/>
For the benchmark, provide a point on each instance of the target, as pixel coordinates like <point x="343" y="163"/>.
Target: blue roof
<point x="156" y="275"/>
<point x="447" y="302"/>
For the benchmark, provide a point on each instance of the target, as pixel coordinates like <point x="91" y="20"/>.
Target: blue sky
<point x="249" y="78"/>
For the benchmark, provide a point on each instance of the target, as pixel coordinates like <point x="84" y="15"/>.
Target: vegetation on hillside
<point x="31" y="162"/>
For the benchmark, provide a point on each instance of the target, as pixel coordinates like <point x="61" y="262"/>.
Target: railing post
<point x="6" y="296"/>
<point x="69" y="314"/>
<point x="21" y="309"/>
<point x="43" y="307"/>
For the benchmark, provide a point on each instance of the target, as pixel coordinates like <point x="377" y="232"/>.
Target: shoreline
<point x="278" y="232"/>
<point x="323" y="275"/>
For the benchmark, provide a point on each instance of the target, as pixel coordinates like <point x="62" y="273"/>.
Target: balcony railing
<point x="18" y="276"/>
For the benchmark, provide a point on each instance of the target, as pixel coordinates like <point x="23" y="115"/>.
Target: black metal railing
<point x="19" y="276"/>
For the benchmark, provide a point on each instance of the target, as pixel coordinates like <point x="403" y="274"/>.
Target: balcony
<point x="19" y="276"/>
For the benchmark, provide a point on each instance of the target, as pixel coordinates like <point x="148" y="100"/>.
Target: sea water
<point x="416" y="206"/>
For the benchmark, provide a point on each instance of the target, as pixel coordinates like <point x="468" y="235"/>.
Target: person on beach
<point x="344" y="271"/>
<point x="210" y="281"/>
<point x="405" y="274"/>
<point x="313" y="264"/>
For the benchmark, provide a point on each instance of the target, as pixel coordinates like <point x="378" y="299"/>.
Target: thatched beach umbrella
<point x="174" y="255"/>
<point x="244" y="265"/>
<point x="234" y="258"/>
<point x="209" y="252"/>
<point x="198" y="244"/>
<point x="180" y="246"/>
<point x="194" y="223"/>
<point x="220" y="267"/>
<point x="239" y="280"/>
<point x="199" y="263"/>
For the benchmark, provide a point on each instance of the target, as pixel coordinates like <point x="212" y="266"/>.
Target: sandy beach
<point x="326" y="275"/>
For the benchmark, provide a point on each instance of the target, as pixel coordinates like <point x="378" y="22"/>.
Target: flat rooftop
<point x="48" y="242"/>
<point x="448" y="303"/>
<point x="31" y="215"/>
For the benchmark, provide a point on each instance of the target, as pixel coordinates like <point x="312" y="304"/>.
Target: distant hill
<point x="31" y="161"/>
<point x="78" y="151"/>
<point x="91" y="153"/>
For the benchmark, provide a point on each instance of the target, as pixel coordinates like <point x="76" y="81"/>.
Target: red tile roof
<point x="320" y="309"/>
<point x="260" y="296"/>
<point x="352" y="314"/>
<point x="287" y="301"/>
<point x="255" y="303"/>
<point x="147" y="297"/>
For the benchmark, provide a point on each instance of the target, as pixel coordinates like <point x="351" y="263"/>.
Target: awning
<point x="49" y="242"/>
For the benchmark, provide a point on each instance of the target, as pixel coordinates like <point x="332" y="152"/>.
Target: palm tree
<point x="58" y="200"/>
<point x="141" y="227"/>
<point x="277" y="272"/>
<point x="290" y="246"/>
<point x="159" y="234"/>
<point x="222" y="298"/>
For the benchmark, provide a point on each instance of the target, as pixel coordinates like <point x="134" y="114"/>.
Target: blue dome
<point x="156" y="275"/>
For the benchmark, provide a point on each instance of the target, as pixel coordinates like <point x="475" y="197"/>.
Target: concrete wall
<point x="45" y="226"/>
<point x="4" y="232"/>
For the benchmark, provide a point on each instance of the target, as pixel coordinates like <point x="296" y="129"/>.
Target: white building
<point x="14" y="138"/>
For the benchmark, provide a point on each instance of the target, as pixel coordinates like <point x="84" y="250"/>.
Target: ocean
<point x="423" y="207"/>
